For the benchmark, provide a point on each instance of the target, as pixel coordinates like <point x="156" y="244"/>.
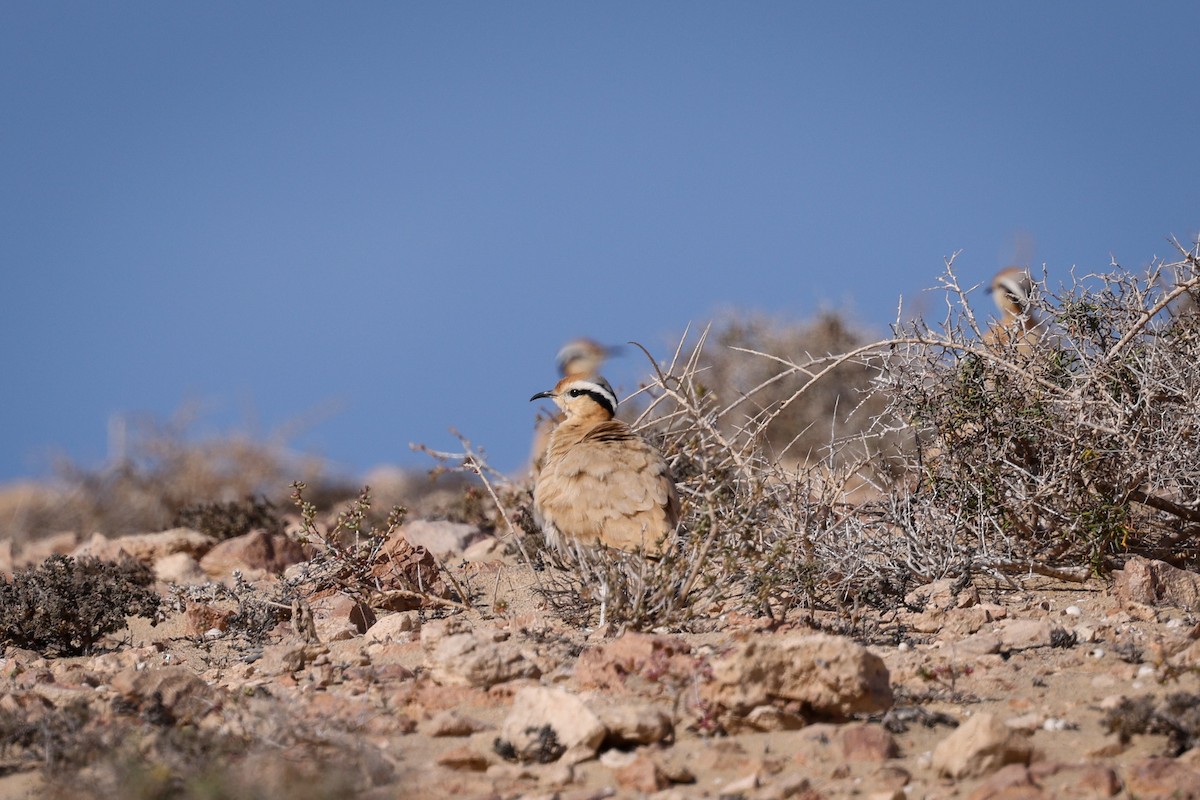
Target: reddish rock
<point x="642" y="775"/>
<point x="636" y="662"/>
<point x="861" y="742"/>
<point x="1156" y="583"/>
<point x="1012" y="782"/>
<point x="176" y="691"/>
<point x="1160" y="779"/>
<point x="256" y="550"/>
<point x="201" y="618"/>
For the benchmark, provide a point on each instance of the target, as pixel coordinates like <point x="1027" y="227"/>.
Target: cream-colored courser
<point x="600" y="482"/>
<point x="578" y="358"/>
<point x="1011" y="290"/>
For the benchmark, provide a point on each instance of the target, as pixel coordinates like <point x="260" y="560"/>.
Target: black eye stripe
<point x="600" y="399"/>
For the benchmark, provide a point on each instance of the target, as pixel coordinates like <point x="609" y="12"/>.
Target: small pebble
<point x="1073" y="611"/>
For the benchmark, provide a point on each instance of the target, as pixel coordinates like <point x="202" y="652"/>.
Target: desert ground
<point x="1016" y="689"/>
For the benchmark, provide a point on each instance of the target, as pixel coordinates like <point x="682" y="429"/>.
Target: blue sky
<point x="386" y="217"/>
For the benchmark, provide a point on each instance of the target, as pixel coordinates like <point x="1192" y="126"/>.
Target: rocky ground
<point x="1025" y="691"/>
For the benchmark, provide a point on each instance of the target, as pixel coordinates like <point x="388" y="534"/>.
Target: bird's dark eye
<point x="575" y="392"/>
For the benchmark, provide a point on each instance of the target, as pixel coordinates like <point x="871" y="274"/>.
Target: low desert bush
<point x="1053" y="455"/>
<point x="64" y="606"/>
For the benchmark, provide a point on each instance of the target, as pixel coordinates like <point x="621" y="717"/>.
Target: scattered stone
<point x="289" y="657"/>
<point x="179" y="568"/>
<point x="147" y="547"/>
<point x="456" y="653"/>
<point x="1153" y="778"/>
<point x="862" y="742"/>
<point x="440" y="537"/>
<point x="400" y="626"/>
<point x="635" y="662"/>
<point x="256" y="550"/>
<point x="544" y="723"/>
<point x="165" y="694"/>
<point x="1024" y="634"/>
<point x="1098" y="780"/>
<point x="202" y="618"/>
<point x="452" y="723"/>
<point x="634" y="723"/>
<point x="980" y="644"/>
<point x="1010" y="781"/>
<point x="826" y="676"/>
<point x="464" y="758"/>
<point x="1156" y="583"/>
<point x="643" y="774"/>
<point x="979" y="746"/>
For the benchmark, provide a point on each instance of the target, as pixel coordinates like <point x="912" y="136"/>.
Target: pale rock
<point x="1156" y="583"/>
<point x="826" y="676"/>
<point x="544" y="716"/>
<point x="739" y="786"/>
<point x="773" y="718"/>
<point x="1024" y="634"/>
<point x="147" y="547"/>
<point x="489" y="548"/>
<point x="179" y="568"/>
<point x="979" y="746"/>
<point x="256" y="550"/>
<point x="400" y="626"/>
<point x="288" y="657"/>
<point x="452" y="722"/>
<point x="440" y="537"/>
<point x="458" y="654"/>
<point x="979" y="644"/>
<point x="634" y="723"/>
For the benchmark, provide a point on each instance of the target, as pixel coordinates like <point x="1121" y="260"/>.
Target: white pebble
<point x="1098" y="653"/>
<point x="1073" y="611"/>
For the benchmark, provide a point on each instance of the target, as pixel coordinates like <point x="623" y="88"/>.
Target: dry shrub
<point x="750" y="366"/>
<point x="970" y="459"/>
<point x="65" y="606"/>
<point x="1073" y="450"/>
